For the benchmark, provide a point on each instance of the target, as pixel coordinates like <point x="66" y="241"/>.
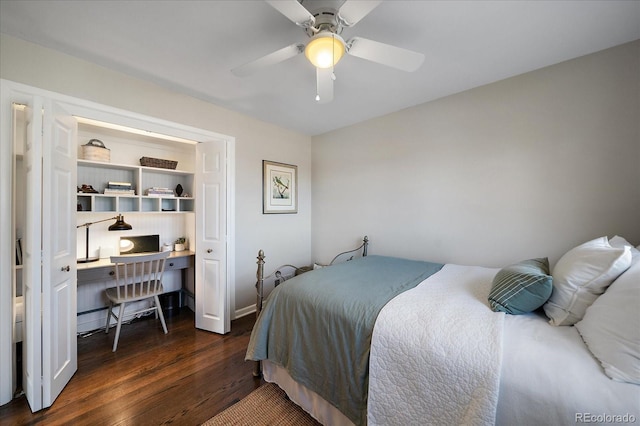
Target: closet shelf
<point x="99" y="174"/>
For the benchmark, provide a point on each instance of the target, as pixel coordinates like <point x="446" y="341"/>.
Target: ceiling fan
<point x="323" y="21"/>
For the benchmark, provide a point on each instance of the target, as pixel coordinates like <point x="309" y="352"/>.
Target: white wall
<point x="521" y="168"/>
<point x="285" y="238"/>
<point x="528" y="166"/>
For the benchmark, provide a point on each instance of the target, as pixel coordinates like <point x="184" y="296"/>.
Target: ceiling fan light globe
<point x="325" y="50"/>
<point x="323" y="60"/>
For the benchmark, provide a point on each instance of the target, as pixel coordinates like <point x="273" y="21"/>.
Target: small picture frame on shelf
<point x="279" y="187"/>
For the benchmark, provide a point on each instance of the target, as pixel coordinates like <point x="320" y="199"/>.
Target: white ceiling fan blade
<point x="270" y="59"/>
<point x="352" y="11"/>
<point x="386" y="54"/>
<point x="294" y="11"/>
<point x="324" y="85"/>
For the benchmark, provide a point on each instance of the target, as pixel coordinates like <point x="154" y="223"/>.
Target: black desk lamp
<point x="119" y="225"/>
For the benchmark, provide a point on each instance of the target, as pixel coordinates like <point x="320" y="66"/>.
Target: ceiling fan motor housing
<point x="326" y="16"/>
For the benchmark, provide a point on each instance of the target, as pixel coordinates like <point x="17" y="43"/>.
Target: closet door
<point x="31" y="255"/>
<point x="59" y="308"/>
<point x="49" y="285"/>
<point x="212" y="306"/>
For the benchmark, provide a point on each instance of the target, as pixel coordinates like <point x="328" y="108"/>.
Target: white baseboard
<point x="239" y="313"/>
<point x="96" y="320"/>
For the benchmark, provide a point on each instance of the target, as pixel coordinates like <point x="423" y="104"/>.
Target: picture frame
<point x="279" y="188"/>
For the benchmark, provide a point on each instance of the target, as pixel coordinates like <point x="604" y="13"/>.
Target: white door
<point x="31" y="255"/>
<point x="59" y="343"/>
<point x="212" y="301"/>
<point x="49" y="344"/>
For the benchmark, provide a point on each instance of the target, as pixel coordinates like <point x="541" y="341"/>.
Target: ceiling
<point x="191" y="46"/>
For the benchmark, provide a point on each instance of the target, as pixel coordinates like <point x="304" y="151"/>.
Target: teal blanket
<point x="318" y="325"/>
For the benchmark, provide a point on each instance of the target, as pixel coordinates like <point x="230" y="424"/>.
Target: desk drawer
<point x="181" y="262"/>
<point x="107" y="273"/>
<point x="96" y="274"/>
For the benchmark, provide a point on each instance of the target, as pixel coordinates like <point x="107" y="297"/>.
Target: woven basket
<point x="158" y="163"/>
<point x="95" y="150"/>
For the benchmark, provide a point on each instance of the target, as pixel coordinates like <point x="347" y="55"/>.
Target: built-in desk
<point x="103" y="270"/>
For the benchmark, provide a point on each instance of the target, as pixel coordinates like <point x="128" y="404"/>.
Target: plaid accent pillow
<point x="522" y="287"/>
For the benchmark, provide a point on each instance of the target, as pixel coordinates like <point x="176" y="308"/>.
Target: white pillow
<point x="611" y="328"/>
<point x="580" y="276"/>
<point x="620" y="242"/>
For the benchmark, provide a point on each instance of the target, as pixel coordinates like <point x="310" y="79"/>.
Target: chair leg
<point x="159" y="313"/>
<point x="118" y="326"/>
<point x="106" y="328"/>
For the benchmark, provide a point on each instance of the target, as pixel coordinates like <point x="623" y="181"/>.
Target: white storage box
<point x="95" y="150"/>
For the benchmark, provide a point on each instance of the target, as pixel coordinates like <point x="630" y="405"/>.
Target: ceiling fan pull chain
<point x="333" y="59"/>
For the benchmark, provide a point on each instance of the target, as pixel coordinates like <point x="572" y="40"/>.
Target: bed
<point x="435" y="350"/>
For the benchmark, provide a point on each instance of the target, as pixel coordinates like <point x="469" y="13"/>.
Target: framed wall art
<point x="279" y="187"/>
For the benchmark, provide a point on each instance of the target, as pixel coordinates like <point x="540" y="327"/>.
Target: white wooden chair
<point x="138" y="277"/>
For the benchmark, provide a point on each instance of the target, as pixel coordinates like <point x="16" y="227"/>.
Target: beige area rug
<point x="267" y="405"/>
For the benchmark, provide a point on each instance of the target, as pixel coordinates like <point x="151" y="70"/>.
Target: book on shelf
<point x="111" y="191"/>
<point x="111" y="182"/>
<point x="152" y="194"/>
<point x="159" y="192"/>
<point x="119" y="185"/>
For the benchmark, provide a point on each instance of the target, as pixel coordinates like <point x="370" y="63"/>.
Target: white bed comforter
<point x="436" y="353"/>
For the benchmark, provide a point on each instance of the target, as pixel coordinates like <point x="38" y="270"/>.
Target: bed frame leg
<point x="257" y="369"/>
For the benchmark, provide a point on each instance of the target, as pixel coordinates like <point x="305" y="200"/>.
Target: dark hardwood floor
<point x="184" y="377"/>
